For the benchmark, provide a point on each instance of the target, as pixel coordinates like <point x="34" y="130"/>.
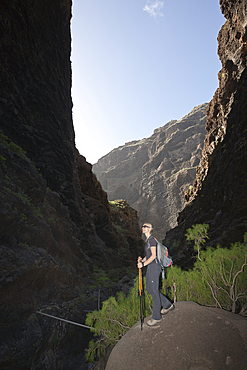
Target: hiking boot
<point x="164" y="311"/>
<point x="153" y="322"/>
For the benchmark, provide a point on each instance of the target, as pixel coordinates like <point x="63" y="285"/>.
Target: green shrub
<point x="100" y="279"/>
<point x="115" y="318"/>
<point x="219" y="276"/>
<point x="186" y="286"/>
<point x="224" y="271"/>
<point x="198" y="233"/>
<point x="12" y="147"/>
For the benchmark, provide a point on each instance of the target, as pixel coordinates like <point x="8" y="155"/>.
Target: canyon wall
<point x="152" y="174"/>
<point x="56" y="226"/>
<point x="219" y="196"/>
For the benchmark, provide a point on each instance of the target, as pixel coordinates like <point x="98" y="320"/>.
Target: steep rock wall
<point x="56" y="226"/>
<point x="219" y="190"/>
<point x="36" y="106"/>
<point x="35" y="86"/>
<point x="152" y="174"/>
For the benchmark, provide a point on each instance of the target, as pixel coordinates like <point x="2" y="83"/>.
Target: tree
<point x="225" y="273"/>
<point x="219" y="276"/>
<point x="187" y="286"/>
<point x="223" y="270"/>
<point x="198" y="233"/>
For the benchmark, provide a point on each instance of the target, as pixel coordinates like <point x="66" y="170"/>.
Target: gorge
<point x="62" y="244"/>
<point x="153" y="174"/>
<point x="204" y="180"/>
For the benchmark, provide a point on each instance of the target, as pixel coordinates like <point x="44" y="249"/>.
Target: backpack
<point x="162" y="256"/>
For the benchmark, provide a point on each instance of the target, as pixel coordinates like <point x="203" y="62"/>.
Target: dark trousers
<point x="152" y="282"/>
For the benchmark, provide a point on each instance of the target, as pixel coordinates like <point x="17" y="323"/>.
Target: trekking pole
<point x="141" y="295"/>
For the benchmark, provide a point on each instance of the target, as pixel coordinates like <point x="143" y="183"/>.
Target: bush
<point x="225" y="273"/>
<point x="117" y="316"/>
<point x="186" y="286"/>
<point x="219" y="276"/>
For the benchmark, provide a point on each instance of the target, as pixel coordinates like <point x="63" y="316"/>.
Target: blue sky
<point x="137" y="64"/>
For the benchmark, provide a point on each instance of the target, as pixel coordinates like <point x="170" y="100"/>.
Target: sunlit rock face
<point x="219" y="196"/>
<point x="56" y="226"/>
<point x="152" y="174"/>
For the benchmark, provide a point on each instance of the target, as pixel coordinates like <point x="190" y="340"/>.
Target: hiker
<point x="152" y="277"/>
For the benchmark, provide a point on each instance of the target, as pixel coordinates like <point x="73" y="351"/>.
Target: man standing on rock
<point x="152" y="277"/>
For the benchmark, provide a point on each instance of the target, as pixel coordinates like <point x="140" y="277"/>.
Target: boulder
<point x="191" y="337"/>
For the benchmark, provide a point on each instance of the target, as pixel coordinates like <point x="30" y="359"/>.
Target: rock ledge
<point x="191" y="337"/>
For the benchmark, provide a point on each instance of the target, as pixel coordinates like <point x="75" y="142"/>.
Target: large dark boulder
<point x="191" y="337"/>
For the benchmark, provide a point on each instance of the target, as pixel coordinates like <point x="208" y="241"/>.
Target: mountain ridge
<point x="144" y="171"/>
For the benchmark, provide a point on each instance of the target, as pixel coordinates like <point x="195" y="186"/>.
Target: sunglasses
<point x="145" y="226"/>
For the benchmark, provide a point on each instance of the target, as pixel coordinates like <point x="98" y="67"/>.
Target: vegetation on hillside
<point x="219" y="276"/>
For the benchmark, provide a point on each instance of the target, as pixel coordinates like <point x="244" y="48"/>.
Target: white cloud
<point x="154" y="8"/>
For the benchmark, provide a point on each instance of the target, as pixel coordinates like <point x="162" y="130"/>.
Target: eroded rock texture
<point x="56" y="226"/>
<point x="152" y="174"/>
<point x="219" y="195"/>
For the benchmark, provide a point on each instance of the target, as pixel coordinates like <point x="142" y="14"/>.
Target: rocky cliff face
<point x="152" y="174"/>
<point x="219" y="196"/>
<point x="56" y="225"/>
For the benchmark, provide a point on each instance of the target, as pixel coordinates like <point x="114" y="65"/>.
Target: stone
<point x="191" y="337"/>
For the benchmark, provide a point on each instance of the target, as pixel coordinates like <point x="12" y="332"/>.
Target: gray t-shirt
<point x="151" y="242"/>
